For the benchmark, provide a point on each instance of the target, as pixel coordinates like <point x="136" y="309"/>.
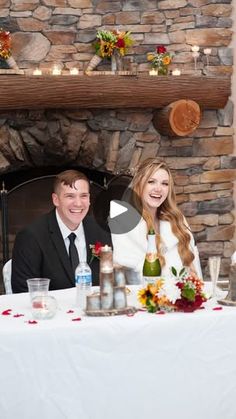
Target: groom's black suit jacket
<point x="39" y="251"/>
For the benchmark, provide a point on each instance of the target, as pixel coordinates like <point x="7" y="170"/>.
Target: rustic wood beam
<point x="110" y="91"/>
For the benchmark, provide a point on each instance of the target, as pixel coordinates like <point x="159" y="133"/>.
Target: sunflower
<point x="106" y="48"/>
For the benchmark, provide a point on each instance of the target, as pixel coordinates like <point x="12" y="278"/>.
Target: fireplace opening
<point x="26" y="195"/>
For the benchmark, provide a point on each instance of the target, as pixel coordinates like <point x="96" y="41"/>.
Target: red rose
<point x="120" y="43"/>
<point x="97" y="248"/>
<point x="161" y="49"/>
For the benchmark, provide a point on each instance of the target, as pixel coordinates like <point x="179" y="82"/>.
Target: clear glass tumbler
<point x="38" y="287"/>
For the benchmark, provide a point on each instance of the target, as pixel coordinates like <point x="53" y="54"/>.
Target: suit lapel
<point x="89" y="239"/>
<point x="59" y="245"/>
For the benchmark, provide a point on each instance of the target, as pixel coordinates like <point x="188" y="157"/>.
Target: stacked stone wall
<point x="47" y="32"/>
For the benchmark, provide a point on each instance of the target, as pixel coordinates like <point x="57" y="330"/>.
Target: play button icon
<point x="113" y="210"/>
<point x="117" y="208"/>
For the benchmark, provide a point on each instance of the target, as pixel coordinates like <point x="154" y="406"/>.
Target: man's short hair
<point x="68" y="177"/>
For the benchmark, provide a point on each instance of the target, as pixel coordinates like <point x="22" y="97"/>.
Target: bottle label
<point x="150" y="279"/>
<point x="151" y="257"/>
<point x="85" y="279"/>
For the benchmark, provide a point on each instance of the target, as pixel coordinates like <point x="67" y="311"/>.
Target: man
<point x="45" y="248"/>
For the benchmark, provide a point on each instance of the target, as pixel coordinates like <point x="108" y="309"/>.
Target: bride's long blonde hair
<point x="168" y="210"/>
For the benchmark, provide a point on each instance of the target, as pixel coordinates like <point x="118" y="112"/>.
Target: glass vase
<point x="162" y="71"/>
<point x="116" y="62"/>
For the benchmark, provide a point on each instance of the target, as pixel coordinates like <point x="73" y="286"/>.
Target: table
<point x="176" y="365"/>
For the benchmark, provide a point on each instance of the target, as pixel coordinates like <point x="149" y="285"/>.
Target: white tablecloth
<point x="176" y="365"/>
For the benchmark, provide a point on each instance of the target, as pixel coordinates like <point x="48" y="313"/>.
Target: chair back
<point x="6" y="273"/>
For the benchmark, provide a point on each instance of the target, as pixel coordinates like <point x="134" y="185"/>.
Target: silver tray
<point x="113" y="312"/>
<point x="226" y="302"/>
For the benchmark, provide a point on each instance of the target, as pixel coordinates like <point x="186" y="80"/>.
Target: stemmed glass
<point x="214" y="268"/>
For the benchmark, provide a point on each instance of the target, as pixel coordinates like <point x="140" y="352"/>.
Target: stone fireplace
<point x="114" y="140"/>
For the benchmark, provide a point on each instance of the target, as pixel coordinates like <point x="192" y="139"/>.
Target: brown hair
<point x="68" y="177"/>
<point x="168" y="210"/>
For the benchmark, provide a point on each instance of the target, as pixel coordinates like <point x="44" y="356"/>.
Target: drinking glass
<point x="214" y="269"/>
<point x="38" y="287"/>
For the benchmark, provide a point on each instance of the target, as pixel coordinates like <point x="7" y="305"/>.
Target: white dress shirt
<point x="80" y="242"/>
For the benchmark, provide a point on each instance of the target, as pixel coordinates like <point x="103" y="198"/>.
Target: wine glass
<point x="214" y="269"/>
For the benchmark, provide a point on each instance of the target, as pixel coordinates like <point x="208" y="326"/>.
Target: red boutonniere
<point x="95" y="250"/>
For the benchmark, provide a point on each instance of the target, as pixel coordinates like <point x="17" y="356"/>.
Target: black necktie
<point x="73" y="253"/>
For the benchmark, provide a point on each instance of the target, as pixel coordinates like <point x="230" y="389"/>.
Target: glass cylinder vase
<point x="116" y="62"/>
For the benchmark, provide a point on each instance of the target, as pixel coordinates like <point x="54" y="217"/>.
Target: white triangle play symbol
<point x="116" y="209"/>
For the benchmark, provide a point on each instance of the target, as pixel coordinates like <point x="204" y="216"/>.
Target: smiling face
<point x="72" y="202"/>
<point x="155" y="190"/>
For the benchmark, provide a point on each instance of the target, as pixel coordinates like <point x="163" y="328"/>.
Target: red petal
<point x="77" y="319"/>
<point x="161" y="312"/>
<point x="130" y="314"/>
<point x="217" y="308"/>
<point x="18" y="315"/>
<point x="32" y="322"/>
<point x="70" y="311"/>
<point x="7" y="312"/>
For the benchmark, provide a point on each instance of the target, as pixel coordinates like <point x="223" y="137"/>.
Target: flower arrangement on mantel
<point x="182" y="292"/>
<point x="109" y="43"/>
<point x="160" y="60"/>
<point x="5" y="49"/>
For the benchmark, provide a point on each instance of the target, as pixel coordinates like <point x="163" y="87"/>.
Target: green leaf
<point x="152" y="308"/>
<point x="188" y="293"/>
<point x="182" y="272"/>
<point x="173" y="270"/>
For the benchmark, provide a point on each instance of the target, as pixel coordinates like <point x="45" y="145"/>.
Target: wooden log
<point x="110" y="92"/>
<point x="179" y="118"/>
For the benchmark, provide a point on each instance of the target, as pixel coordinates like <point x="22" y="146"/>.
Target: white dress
<point x="129" y="249"/>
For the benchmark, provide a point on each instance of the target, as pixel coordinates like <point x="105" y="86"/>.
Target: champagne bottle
<point x="152" y="266"/>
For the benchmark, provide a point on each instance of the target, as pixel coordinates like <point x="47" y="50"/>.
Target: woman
<point x="154" y="197"/>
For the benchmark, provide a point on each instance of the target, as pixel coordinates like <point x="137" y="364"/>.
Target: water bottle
<point x="83" y="282"/>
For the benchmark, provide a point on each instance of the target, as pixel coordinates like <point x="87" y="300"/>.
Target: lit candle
<point x="106" y="248"/>
<point x="74" y="71"/>
<point x="207" y="51"/>
<point x="56" y="71"/>
<point x="153" y="72"/>
<point x="195" y="48"/>
<point x="37" y="72"/>
<point x="176" y="72"/>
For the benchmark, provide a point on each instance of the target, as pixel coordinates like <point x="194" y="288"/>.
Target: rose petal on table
<point x="201" y="308"/>
<point x="7" y="312"/>
<point x="18" y="315"/>
<point x="130" y="314"/>
<point x="76" y="319"/>
<point x="32" y="322"/>
<point x="70" y="311"/>
<point x="161" y="312"/>
<point x="217" y="308"/>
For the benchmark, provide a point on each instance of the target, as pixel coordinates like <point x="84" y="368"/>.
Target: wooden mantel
<point x="110" y="91"/>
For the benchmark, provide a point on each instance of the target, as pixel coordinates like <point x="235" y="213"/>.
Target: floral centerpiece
<point x="182" y="292"/>
<point x="5" y="48"/>
<point x="110" y="43"/>
<point x="160" y="60"/>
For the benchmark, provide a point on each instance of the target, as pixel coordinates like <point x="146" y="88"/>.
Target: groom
<point x="43" y="249"/>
